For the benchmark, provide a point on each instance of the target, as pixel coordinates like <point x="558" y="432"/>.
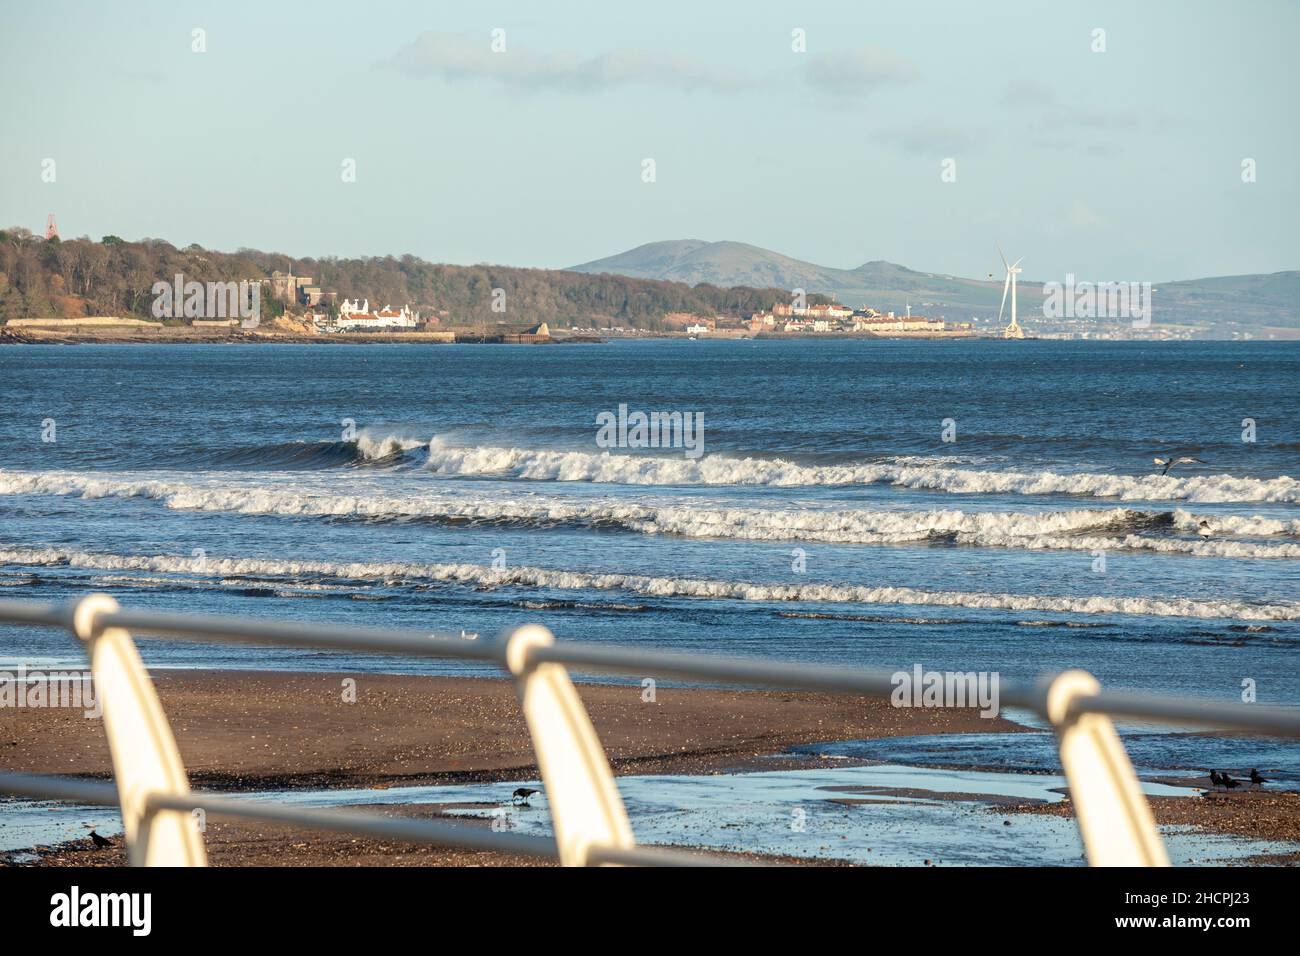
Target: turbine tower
<point x="1013" y="329"/>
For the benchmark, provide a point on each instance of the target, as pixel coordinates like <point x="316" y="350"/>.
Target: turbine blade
<point x="1006" y="287"/>
<point x="1004" y="258"/>
<point x="1017" y="262"/>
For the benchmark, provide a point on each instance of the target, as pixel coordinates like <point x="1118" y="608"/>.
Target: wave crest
<point x="1084" y="529"/>
<point x="485" y="576"/>
<point x="604" y="467"/>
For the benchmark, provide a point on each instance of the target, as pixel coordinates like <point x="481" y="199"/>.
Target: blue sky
<point x="1118" y="165"/>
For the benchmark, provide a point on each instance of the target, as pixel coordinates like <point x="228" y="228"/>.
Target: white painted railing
<point x="587" y="813"/>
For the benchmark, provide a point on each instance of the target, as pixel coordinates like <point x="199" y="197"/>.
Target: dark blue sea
<point x="462" y="488"/>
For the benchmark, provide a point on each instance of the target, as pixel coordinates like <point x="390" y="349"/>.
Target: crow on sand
<point x="523" y="795"/>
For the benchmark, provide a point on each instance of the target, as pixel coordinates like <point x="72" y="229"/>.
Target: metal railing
<point x="589" y="821"/>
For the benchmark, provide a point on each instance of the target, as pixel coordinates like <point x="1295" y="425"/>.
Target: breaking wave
<point x="368" y="447"/>
<point x="1085" y="529"/>
<point x="486" y="577"/>
<point x="548" y="465"/>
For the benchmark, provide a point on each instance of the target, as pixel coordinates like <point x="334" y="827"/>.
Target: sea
<point x="963" y="505"/>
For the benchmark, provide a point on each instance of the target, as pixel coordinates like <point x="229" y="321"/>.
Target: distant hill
<point x="1255" y="302"/>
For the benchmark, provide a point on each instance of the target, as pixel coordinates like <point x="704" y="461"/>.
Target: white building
<point x="358" y="317"/>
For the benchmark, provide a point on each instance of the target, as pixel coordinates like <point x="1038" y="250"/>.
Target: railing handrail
<point x="589" y="820"/>
<point x="646" y="662"/>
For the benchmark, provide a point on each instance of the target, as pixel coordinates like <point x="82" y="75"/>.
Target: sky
<point x="921" y="133"/>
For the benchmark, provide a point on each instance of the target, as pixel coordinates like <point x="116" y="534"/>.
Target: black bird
<point x="1230" y="783"/>
<point x="1215" y="779"/>
<point x="523" y="795"/>
<point x="99" y="841"/>
<point x="1255" y="778"/>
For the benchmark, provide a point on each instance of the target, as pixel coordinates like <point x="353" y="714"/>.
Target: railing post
<point x="145" y="758"/>
<point x="586" y="808"/>
<point x="1113" y="816"/>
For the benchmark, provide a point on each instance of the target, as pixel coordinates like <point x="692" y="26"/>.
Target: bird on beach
<point x="1229" y="782"/>
<point x="523" y="795"/>
<point x="1171" y="461"/>
<point x="1255" y="778"/>
<point x="99" y="841"/>
<point x="1215" y="779"/>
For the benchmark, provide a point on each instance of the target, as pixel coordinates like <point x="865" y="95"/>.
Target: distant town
<point x="114" y="290"/>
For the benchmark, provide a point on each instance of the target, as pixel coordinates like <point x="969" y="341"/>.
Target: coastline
<point x="181" y="335"/>
<point x="188" y="335"/>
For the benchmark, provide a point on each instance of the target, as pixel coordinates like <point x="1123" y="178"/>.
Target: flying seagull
<point x="523" y="795"/>
<point x="1204" y="530"/>
<point x="99" y="841"/>
<point x="1255" y="778"/>
<point x="1171" y="461"/>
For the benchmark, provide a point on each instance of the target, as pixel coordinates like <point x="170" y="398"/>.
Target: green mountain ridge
<point x="1219" y="302"/>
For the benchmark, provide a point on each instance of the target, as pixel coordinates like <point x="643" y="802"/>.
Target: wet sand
<point x="255" y="730"/>
<point x="1254" y="814"/>
<point x="254" y="844"/>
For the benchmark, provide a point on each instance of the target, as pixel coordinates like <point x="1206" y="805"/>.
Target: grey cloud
<point x="859" y="72"/>
<point x="459" y="58"/>
<point x="1056" y="123"/>
<point x="930" y="139"/>
<point x="1026" y="93"/>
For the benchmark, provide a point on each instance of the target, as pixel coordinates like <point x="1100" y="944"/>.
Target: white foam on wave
<point x="485" y="576"/>
<point x="1246" y="526"/>
<point x="376" y="446"/>
<point x="549" y="465"/>
<point x="1046" y="530"/>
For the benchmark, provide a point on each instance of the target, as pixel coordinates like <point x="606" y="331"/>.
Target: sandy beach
<point x="252" y="730"/>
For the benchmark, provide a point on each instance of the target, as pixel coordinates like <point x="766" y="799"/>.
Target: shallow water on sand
<point x="911" y="815"/>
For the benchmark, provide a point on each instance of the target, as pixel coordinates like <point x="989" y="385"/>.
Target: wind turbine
<point x="1013" y="330"/>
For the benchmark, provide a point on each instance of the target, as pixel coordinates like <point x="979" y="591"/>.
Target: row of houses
<point x="839" y="318"/>
<point x="352" y="315"/>
<point x="830" y="311"/>
<point x="356" y="316"/>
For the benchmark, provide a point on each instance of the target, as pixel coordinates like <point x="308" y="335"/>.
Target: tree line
<point x="40" y="278"/>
